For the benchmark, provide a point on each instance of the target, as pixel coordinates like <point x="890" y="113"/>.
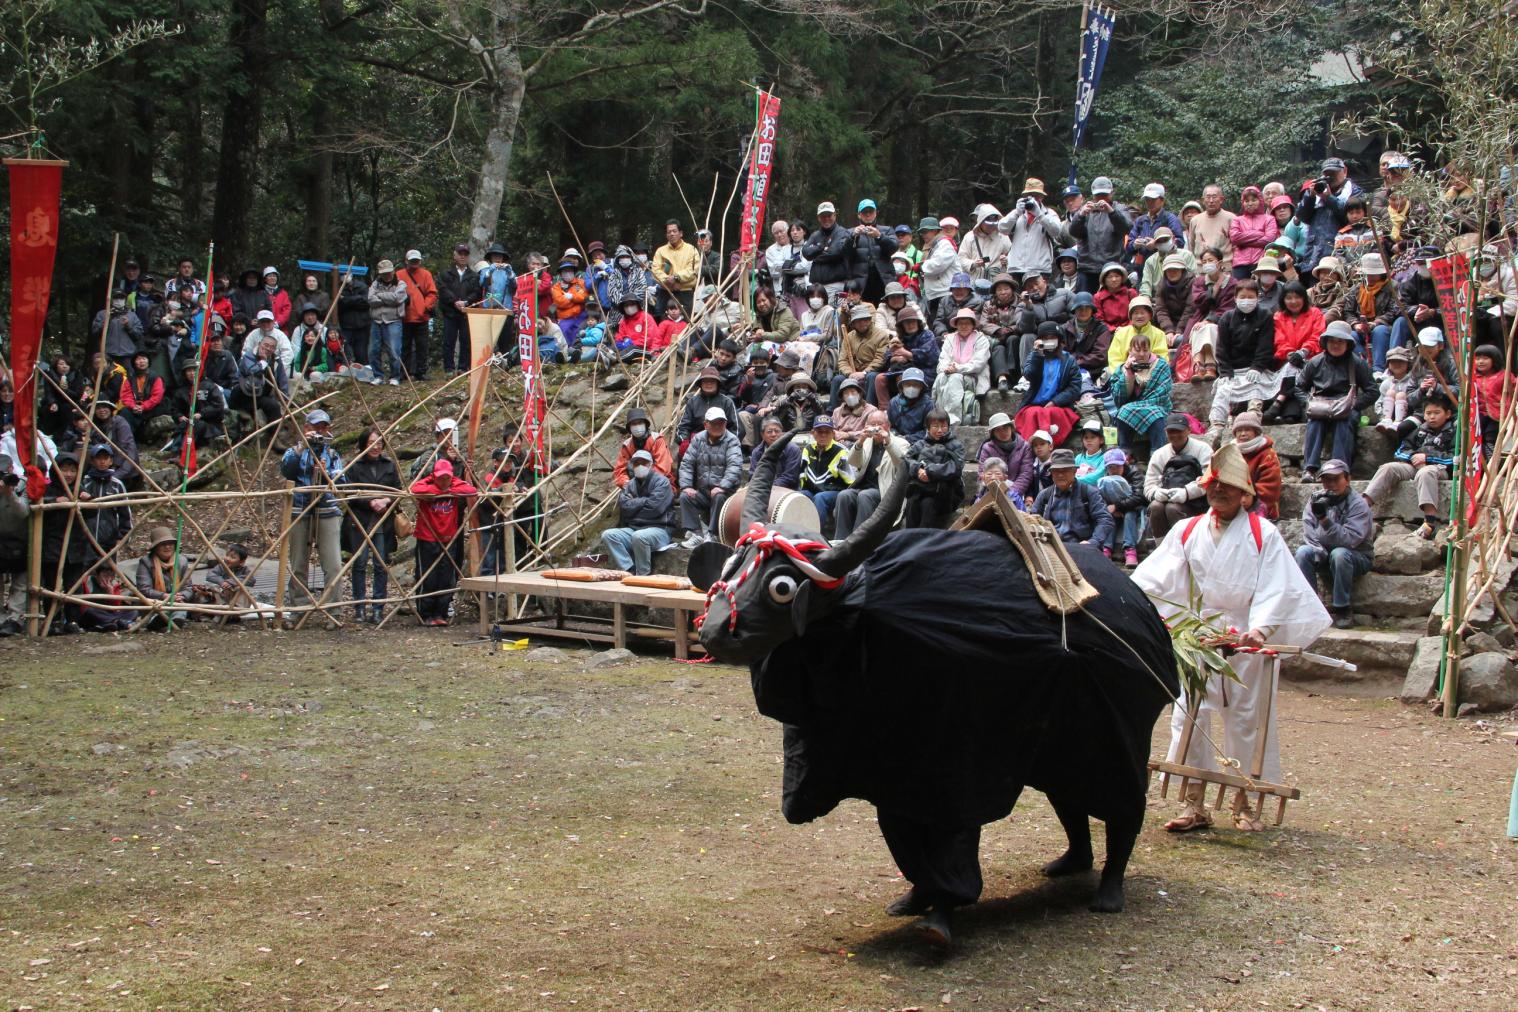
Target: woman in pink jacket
<point x="1252" y="230"/>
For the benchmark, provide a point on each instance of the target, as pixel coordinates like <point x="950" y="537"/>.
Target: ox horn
<point x="837" y="561"/>
<point x="756" y="501"/>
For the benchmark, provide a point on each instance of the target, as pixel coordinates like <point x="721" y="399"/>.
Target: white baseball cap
<point x="1430" y="337"/>
<point x="444" y="424"/>
<point x="715" y="414"/>
<point x="949" y="221"/>
<point x="265" y="314"/>
<point x="1153" y="191"/>
<point x="413" y="254"/>
<point x="826" y="207"/>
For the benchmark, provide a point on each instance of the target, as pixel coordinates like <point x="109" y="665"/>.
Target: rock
<point x="609" y="658"/>
<point x="1195" y="399"/>
<point x="107" y="748"/>
<point x="119" y="647"/>
<point x="1401" y="504"/>
<point x="546" y="655"/>
<point x="1489" y="681"/>
<point x="1483" y="643"/>
<point x="1291" y="530"/>
<point x="159" y="427"/>
<point x="1406" y="554"/>
<point x="970" y="437"/>
<point x="1380" y="657"/>
<point x="1372" y="446"/>
<point x="1423" y="673"/>
<point x="1467" y="710"/>
<point x="188" y="753"/>
<point x="1398" y="596"/>
<point x="615" y="381"/>
<point x="998" y="401"/>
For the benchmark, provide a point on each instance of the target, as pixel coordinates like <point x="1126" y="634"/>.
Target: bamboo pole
<point x="34" y="575"/>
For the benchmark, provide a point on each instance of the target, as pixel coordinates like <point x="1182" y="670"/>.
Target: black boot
<point x="937" y="927"/>
<point x="908" y="904"/>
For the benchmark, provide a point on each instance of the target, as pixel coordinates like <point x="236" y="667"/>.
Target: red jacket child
<point x="440" y="503"/>
<point x="643" y="331"/>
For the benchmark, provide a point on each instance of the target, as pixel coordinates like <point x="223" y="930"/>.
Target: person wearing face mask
<point x="646" y="515"/>
<point x="1164" y="248"/>
<point x="1496" y="294"/>
<point x="638" y="335"/>
<point x="569" y="296"/>
<point x="853" y="414"/>
<point x="626" y="279"/>
<point x="1212" y="294"/>
<point x="1054" y="385"/>
<point x="642" y="436"/>
<point x="908" y="410"/>
<point x="1246" y="357"/>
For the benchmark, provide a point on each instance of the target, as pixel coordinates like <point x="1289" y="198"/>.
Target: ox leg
<point x="1077" y="856"/>
<point x="1122" y="832"/>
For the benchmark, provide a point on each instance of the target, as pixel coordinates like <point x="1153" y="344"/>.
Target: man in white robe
<point x="1247" y="579"/>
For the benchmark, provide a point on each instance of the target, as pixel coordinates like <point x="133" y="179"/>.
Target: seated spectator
<point x="909" y="409"/>
<point x="853" y="415"/>
<point x="569" y="296"/>
<point x="158" y="579"/>
<point x="1327" y="291"/>
<point x="822" y="318"/>
<point x="998" y="318"/>
<point x="1171" y="294"/>
<point x="1067" y="275"/>
<point x="1339" y="535"/>
<point x="1173" y="479"/>
<point x="729" y="369"/>
<point x="788" y="471"/>
<point x="442" y="504"/>
<point x="914" y="346"/>
<point x="1166" y="257"/>
<point x="1298" y="325"/>
<point x="1335" y="386"/>
<point x="964" y="370"/>
<point x="220" y="366"/>
<point x="1091" y="462"/>
<point x="642" y="436"/>
<point x="369" y="531"/>
<point x="1042" y="445"/>
<point x="1074" y="508"/>
<point x="961" y="296"/>
<point x="892" y="302"/>
<point x="263" y="386"/>
<point x="935" y="486"/>
<point x="800" y="406"/>
<point x="1259" y="452"/>
<point x="142" y="395"/>
<point x="1004" y="446"/>
<point x="1113" y="295"/>
<point x="231" y="580"/>
<point x="1246" y="359"/>
<point x="1212" y="295"/>
<point x="1140" y="327"/>
<point x="773" y="322"/>
<point x="698" y="405"/>
<point x="873" y="460"/>
<point x="263" y="329"/>
<point x="1039" y="305"/>
<point x="205" y="411"/>
<point x="1087" y="337"/>
<point x="1369" y="309"/>
<point x="319" y="352"/>
<point x="638" y="335"/>
<point x="1397" y="387"/>
<point x="1054" y="386"/>
<point x="1122" y="489"/>
<point x="824" y="472"/>
<point x="1267" y="275"/>
<point x="993" y="474"/>
<point x="1141" y="398"/>
<point x="646" y="513"/>
<point x="710" y="470"/>
<point x="1420" y="299"/>
<point x="863" y="349"/>
<point x="1291" y="232"/>
<point x="1433" y="369"/>
<point x="110" y="428"/>
<point x="1426" y="457"/>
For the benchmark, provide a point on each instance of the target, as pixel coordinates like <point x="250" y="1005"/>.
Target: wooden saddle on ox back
<point x="1056" y="577"/>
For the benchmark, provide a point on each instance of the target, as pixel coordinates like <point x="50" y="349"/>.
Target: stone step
<point x="1372" y="447"/>
<point x="1388" y="596"/>
<point x="1381" y="660"/>
<point x="1404" y="503"/>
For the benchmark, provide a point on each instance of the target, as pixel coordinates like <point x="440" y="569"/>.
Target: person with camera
<point x="1100" y="229"/>
<point x="830" y="252"/>
<point x="315" y="468"/>
<point x="1143" y="238"/>
<point x="15" y="522"/>
<point x="1322" y="206"/>
<point x="1334" y="388"/>
<point x="123" y="333"/>
<point x="1339" y="535"/>
<point x="1033" y="230"/>
<point x="984" y="251"/>
<point x="263" y="385"/>
<point x="1038" y="304"/>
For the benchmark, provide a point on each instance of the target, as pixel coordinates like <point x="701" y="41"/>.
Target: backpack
<point x="1180" y="471"/>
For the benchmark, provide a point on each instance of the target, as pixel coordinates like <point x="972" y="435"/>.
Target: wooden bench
<point x="683" y="603"/>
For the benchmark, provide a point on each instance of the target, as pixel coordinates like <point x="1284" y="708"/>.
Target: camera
<point x="10" y="479"/>
<point x="1320" y="503"/>
<point x="1025" y="204"/>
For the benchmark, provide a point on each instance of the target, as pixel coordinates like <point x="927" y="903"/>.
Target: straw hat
<point x="1228" y="468"/>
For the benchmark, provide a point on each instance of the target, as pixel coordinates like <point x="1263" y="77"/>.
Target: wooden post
<point x="288" y="502"/>
<point x="34" y="578"/>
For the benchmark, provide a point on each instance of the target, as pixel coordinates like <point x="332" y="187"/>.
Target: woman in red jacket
<point x="1299" y="325"/>
<point x="441" y="503"/>
<point x="142" y="395"/>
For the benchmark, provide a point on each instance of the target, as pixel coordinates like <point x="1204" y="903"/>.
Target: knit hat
<point x="1228" y="468"/>
<point x="1248" y="420"/>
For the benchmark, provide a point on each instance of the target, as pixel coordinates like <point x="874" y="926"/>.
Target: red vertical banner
<point x="1452" y="282"/>
<point x="534" y="404"/>
<point x="761" y="164"/>
<point x="36" y="187"/>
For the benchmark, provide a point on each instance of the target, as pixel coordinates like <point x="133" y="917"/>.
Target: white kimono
<point x="1247" y="588"/>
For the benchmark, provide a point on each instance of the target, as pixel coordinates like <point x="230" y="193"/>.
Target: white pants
<point x="1239" y="703"/>
<point x="1203" y="335"/>
<point x="1244" y="385"/>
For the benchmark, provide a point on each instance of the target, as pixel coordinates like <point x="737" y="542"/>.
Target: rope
<point x="766" y="543"/>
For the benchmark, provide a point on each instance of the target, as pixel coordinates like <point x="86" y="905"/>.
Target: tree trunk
<point x="490" y="188"/>
<point x="240" y="130"/>
<point x="319" y="181"/>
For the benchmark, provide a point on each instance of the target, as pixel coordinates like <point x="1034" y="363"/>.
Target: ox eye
<point x="783" y="589"/>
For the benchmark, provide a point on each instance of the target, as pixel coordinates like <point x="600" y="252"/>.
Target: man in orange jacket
<point x="416" y="322"/>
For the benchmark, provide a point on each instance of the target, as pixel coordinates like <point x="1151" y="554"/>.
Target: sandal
<point x="1243" y="816"/>
<point x="1430" y="529"/>
<point x="1191" y="817"/>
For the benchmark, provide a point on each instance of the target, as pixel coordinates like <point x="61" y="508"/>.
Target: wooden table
<point x="683" y="603"/>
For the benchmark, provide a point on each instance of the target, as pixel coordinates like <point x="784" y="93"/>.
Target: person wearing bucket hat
<point x="1004" y="445"/>
<point x="1321" y="207"/>
<point x="893" y="300"/>
<point x="1242" y="570"/>
<point x="1397" y="387"/>
<point x="964" y="369"/>
<point x="1067" y="276"/>
<point x="387" y="307"/>
<point x="1166" y="253"/>
<point x="707" y="395"/>
<point x="1170" y="289"/>
<point x="1338" y="535"/>
<point x="940" y="262"/>
<point x="1074" y="508"/>
<point x="1054" y="386"/>
<point x="863" y="348"/>
<point x="1334" y="388"/>
<point x="642" y="437"/>
<point x="1100" y="228"/>
<point x="1033" y="229"/>
<point x="985" y="248"/>
<point x="1369" y="308"/>
<point x="1326" y="292"/>
<point x="645" y="516"/>
<point x="908" y="410"/>
<point x="999" y="318"/>
<point x="799" y="406"/>
<point x="914" y="345"/>
<point x="854" y="414"/>
<point x="158" y="579"/>
<point x="1112" y="293"/>
<point x="1139" y="327"/>
<point x="961" y="295"/>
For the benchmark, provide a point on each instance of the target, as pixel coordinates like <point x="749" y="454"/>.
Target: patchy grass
<point x="226" y="819"/>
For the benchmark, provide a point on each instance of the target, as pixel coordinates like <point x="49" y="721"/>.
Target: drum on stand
<point x="787" y="507"/>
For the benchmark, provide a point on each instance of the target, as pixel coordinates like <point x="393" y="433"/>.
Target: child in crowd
<point x="1113" y="296"/>
<point x="1396" y="386"/>
<point x="221" y="585"/>
<point x="1426" y="457"/>
<point x="1042" y="445"/>
<point x="934" y="484"/>
<point x="1123" y="493"/>
<point x="1091" y="462"/>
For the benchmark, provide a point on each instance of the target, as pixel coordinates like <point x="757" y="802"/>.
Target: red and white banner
<point x="36" y="187"/>
<point x="534" y="404"/>
<point x="484" y="328"/>
<point x="761" y="165"/>
<point x="1452" y="282"/>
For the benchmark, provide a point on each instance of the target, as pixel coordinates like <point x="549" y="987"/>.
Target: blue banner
<point x="1095" y="38"/>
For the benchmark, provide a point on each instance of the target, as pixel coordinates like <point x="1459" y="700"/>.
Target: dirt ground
<point x="243" y="820"/>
